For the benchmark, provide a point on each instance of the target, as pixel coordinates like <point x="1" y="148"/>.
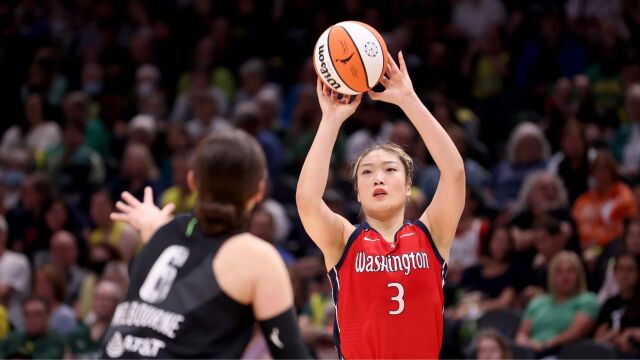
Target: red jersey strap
<point x="423" y="227"/>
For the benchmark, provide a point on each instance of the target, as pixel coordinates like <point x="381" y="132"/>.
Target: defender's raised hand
<point x="144" y="216"/>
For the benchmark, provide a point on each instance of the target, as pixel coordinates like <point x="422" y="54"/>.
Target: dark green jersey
<point x="82" y="346"/>
<point x="174" y="307"/>
<point x="20" y="345"/>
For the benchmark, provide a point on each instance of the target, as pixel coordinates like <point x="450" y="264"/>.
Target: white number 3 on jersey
<point x="399" y="298"/>
<point x="163" y="273"/>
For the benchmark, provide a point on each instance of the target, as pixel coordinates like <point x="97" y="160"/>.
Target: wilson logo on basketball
<point x="324" y="71"/>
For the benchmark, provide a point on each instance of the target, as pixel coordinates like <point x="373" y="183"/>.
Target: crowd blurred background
<point x="541" y="97"/>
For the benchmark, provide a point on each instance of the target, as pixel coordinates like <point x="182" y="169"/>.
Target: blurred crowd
<point x="541" y="97"/>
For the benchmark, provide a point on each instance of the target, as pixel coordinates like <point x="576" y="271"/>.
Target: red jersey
<point x="388" y="296"/>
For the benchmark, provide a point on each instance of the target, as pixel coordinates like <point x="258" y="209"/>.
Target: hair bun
<point x="215" y="217"/>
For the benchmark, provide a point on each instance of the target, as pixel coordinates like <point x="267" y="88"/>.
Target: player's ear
<point x="258" y="196"/>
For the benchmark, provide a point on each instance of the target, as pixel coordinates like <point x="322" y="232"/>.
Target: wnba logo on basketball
<point x="323" y="69"/>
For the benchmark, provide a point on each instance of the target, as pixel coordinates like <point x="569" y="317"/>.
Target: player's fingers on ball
<point x="327" y="90"/>
<point x="384" y="81"/>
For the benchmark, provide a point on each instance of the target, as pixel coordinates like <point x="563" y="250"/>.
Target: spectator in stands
<point x="263" y="225"/>
<point x="142" y="129"/>
<point x="601" y="211"/>
<point x="549" y="239"/>
<point x="474" y="17"/>
<point x="542" y="195"/>
<point x="106" y="231"/>
<point x="619" y="320"/>
<point x="86" y="340"/>
<point x="64" y="254"/>
<point x="250" y="117"/>
<point x="92" y="80"/>
<point x="559" y="107"/>
<point x="486" y="64"/>
<point x="28" y="232"/>
<point x="549" y="53"/>
<point x="305" y="120"/>
<point x="77" y="107"/>
<point x="626" y="143"/>
<point x="44" y="77"/>
<point x="565" y="314"/>
<point x="375" y="128"/>
<point x="571" y="162"/>
<point x="36" y="135"/>
<point x="73" y="166"/>
<point x="207" y="119"/>
<point x="489" y="344"/>
<point x="628" y="244"/>
<point x="118" y="272"/>
<point x="180" y="194"/>
<point x="527" y="151"/>
<point x="37" y="341"/>
<point x="493" y="283"/>
<point x="138" y="170"/>
<point x="317" y="317"/>
<point x="49" y="283"/>
<point x="478" y="178"/>
<point x="190" y="86"/>
<point x="253" y="79"/>
<point x="15" y="278"/>
<point x="60" y="216"/>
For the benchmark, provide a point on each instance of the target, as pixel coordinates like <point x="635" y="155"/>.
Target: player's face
<point x="382" y="185"/>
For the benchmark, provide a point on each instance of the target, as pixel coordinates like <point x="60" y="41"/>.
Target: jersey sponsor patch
<point x="147" y="347"/>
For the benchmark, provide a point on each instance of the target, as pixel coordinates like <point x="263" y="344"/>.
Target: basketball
<point x="350" y="57"/>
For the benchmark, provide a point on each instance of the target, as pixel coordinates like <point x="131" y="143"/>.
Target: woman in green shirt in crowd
<point x="566" y="313"/>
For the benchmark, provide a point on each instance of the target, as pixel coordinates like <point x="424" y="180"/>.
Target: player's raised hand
<point x="332" y="106"/>
<point x="396" y="82"/>
<point x="144" y="216"/>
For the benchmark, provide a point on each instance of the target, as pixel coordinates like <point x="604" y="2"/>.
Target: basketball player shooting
<point x="386" y="273"/>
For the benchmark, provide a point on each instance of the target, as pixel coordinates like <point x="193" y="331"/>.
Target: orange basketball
<point x="350" y="57"/>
